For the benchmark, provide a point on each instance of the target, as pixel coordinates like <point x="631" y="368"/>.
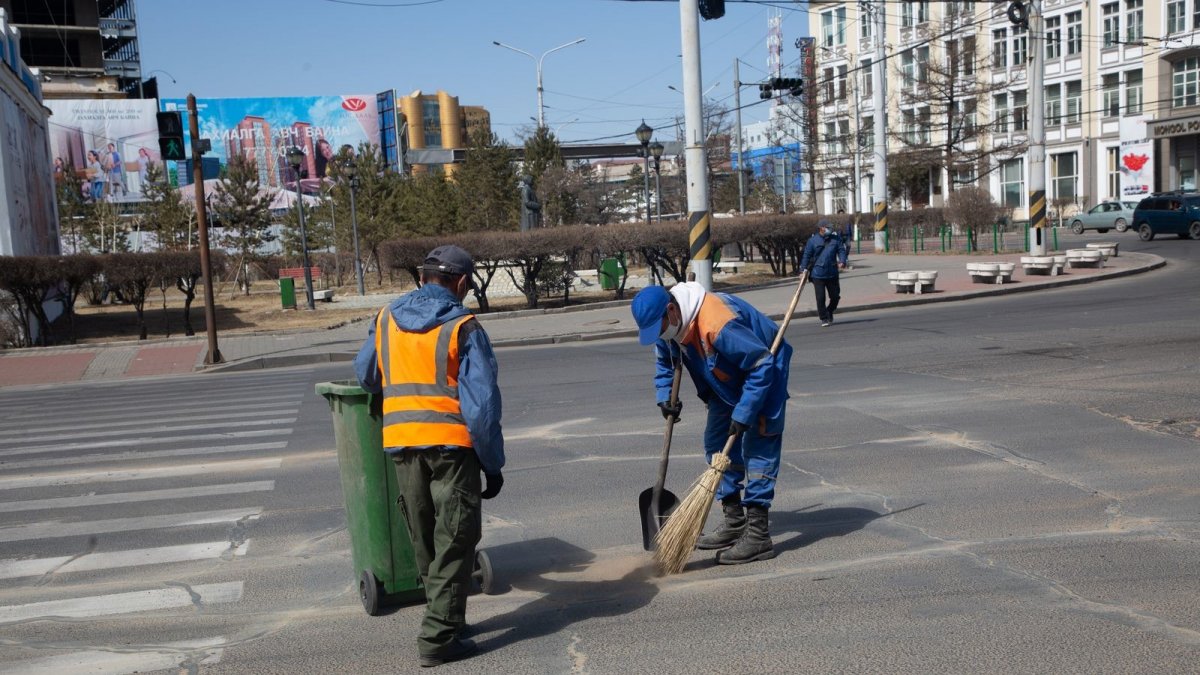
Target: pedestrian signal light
<point x="170" y="135"/>
<point x="712" y="9"/>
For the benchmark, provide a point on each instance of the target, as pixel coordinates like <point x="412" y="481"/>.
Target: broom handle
<point x="787" y="318"/>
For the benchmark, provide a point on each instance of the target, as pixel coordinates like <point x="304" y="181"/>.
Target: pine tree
<point x="165" y="213"/>
<point x="243" y="210"/>
<point x="487" y="186"/>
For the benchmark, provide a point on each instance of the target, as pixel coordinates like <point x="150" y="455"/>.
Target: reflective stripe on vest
<point x="420" y="384"/>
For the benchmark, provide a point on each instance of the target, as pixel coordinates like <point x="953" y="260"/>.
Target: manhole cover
<point x="603" y="322"/>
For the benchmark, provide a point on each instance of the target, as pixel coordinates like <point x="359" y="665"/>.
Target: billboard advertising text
<point x="264" y="129"/>
<point x="1136" y="161"/>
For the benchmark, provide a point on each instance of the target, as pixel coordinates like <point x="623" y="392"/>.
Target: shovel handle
<point x="666" y="451"/>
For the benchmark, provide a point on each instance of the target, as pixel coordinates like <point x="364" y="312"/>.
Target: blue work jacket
<point x="824" y="254"/>
<point x="727" y="351"/>
<point x="478" y="390"/>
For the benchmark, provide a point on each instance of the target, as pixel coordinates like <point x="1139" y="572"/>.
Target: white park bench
<point x="1085" y="257"/>
<point x="1044" y="264"/>
<point x="913" y="281"/>
<point x="1108" y="248"/>
<point x="991" y="272"/>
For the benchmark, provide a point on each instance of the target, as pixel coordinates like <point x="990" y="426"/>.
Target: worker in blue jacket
<point x="434" y="364"/>
<point x="725" y="344"/>
<point x="825" y="254"/>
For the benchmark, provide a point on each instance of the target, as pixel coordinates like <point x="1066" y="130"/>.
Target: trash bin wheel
<point x="368" y="592"/>
<point x="483" y="572"/>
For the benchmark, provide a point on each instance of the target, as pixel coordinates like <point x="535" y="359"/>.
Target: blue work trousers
<point x="753" y="461"/>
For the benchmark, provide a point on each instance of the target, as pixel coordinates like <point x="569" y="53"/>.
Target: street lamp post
<point x="295" y="157"/>
<point x="644" y="132"/>
<point x="351" y="171"/>
<point x="656" y="151"/>
<point x="541" y="108"/>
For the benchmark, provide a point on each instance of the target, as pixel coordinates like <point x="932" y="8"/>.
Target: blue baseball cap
<point x="649" y="306"/>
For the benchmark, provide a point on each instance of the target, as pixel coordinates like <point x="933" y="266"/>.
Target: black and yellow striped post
<point x="700" y="235"/>
<point x="1037" y="221"/>
<point x="881" y="221"/>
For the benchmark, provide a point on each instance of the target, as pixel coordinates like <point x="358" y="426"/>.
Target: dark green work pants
<point x="439" y="500"/>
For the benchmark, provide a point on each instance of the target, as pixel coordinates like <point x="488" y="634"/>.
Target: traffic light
<point x="793" y="85"/>
<point x="170" y="135"/>
<point x="712" y="9"/>
<point x="764" y="91"/>
<point x="1018" y="14"/>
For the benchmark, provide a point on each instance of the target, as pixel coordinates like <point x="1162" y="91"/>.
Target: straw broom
<point x="677" y="538"/>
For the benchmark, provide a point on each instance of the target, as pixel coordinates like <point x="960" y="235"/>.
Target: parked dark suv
<point x="1168" y="213"/>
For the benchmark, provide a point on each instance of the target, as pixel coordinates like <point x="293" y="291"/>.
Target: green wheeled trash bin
<point x="287" y="292"/>
<point x="384" y="563"/>
<point x="610" y="273"/>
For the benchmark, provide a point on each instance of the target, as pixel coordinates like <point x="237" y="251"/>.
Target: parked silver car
<point x="1105" y="216"/>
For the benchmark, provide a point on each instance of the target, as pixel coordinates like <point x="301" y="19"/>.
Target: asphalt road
<point x="1001" y="485"/>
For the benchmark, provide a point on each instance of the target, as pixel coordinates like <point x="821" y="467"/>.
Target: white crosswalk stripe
<point x="129" y="659"/>
<point x="161" y="474"/>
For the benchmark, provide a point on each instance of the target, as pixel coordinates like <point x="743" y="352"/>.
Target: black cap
<point x="449" y="259"/>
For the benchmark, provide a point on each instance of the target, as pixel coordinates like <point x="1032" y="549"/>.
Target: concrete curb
<point x="264" y="362"/>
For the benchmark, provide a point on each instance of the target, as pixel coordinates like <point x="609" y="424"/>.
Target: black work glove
<point x="671" y="411"/>
<point x="736" y="428"/>
<point x="495" y="481"/>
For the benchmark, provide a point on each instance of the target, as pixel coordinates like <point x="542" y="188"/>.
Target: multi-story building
<point x="957" y="98"/>
<point x="438" y="121"/>
<point x="83" y="48"/>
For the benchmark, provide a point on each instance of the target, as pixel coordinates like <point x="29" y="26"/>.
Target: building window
<point x="923" y="65"/>
<point x="1064" y="174"/>
<point x="1020" y="46"/>
<point x="866" y="25"/>
<point x="1053" y="37"/>
<point x="1000" y="48"/>
<point x="908" y="69"/>
<point x="1012" y="183"/>
<point x="960" y="56"/>
<point x="866" y="133"/>
<point x="1020" y="112"/>
<point x="1133" y="92"/>
<point x="1134" y="20"/>
<point x="833" y="27"/>
<point x="1185" y="82"/>
<point x="843" y="136"/>
<point x="830" y="139"/>
<point x="1054" y="104"/>
<point x="1111" y="96"/>
<point x="868" y="71"/>
<point x="913" y="12"/>
<point x="1074" y="101"/>
<point x="1000" y="113"/>
<point x="1074" y="33"/>
<point x="828" y="80"/>
<point x="1176" y="16"/>
<point x="1112" y="23"/>
<point x="839" y="194"/>
<point x="1113" y="156"/>
<point x="923" y="120"/>
<point x="841" y="83"/>
<point x="431" y="111"/>
<point x="965" y="112"/>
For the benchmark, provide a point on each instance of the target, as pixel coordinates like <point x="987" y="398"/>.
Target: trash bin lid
<point x="340" y="388"/>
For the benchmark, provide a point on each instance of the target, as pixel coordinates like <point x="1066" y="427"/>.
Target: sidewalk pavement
<point x="864" y="286"/>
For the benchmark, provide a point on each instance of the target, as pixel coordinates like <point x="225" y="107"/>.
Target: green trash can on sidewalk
<point x="287" y="292"/>
<point x="610" y="273"/>
<point x="384" y="563"/>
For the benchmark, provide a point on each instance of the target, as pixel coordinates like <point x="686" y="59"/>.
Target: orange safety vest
<point x="420" y="384"/>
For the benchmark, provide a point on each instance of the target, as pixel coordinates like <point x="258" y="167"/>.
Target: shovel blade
<point x="653" y="518"/>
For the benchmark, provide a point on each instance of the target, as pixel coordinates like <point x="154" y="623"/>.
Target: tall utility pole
<point x="1037" y="133"/>
<point x="741" y="169"/>
<point x="539" y="60"/>
<point x="879" y="75"/>
<point x="699" y="217"/>
<point x="210" y="314"/>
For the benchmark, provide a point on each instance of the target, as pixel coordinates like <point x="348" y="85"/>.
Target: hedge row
<point x="778" y="238"/>
<point x="31" y="281"/>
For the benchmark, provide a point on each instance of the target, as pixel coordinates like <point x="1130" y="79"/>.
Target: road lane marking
<point x="144" y="496"/>
<point x="16" y="569"/>
<point x="140" y="454"/>
<point x="155" y="429"/>
<point x="24" y="427"/>
<point x="81" y="477"/>
<point x="51" y="529"/>
<point x="53" y="410"/>
<point x="147" y="440"/>
<point x="124" y="603"/>
<point x="147" y="658"/>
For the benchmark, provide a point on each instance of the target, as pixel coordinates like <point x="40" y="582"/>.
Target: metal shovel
<point x="656" y="503"/>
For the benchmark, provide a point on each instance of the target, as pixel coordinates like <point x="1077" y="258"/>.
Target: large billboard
<point x="107" y="143"/>
<point x="263" y="129"/>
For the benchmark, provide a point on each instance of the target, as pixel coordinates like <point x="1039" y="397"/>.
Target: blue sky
<point x="600" y="88"/>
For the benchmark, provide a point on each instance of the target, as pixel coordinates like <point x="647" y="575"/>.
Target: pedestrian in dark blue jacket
<point x="725" y="345"/>
<point x="823" y="256"/>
